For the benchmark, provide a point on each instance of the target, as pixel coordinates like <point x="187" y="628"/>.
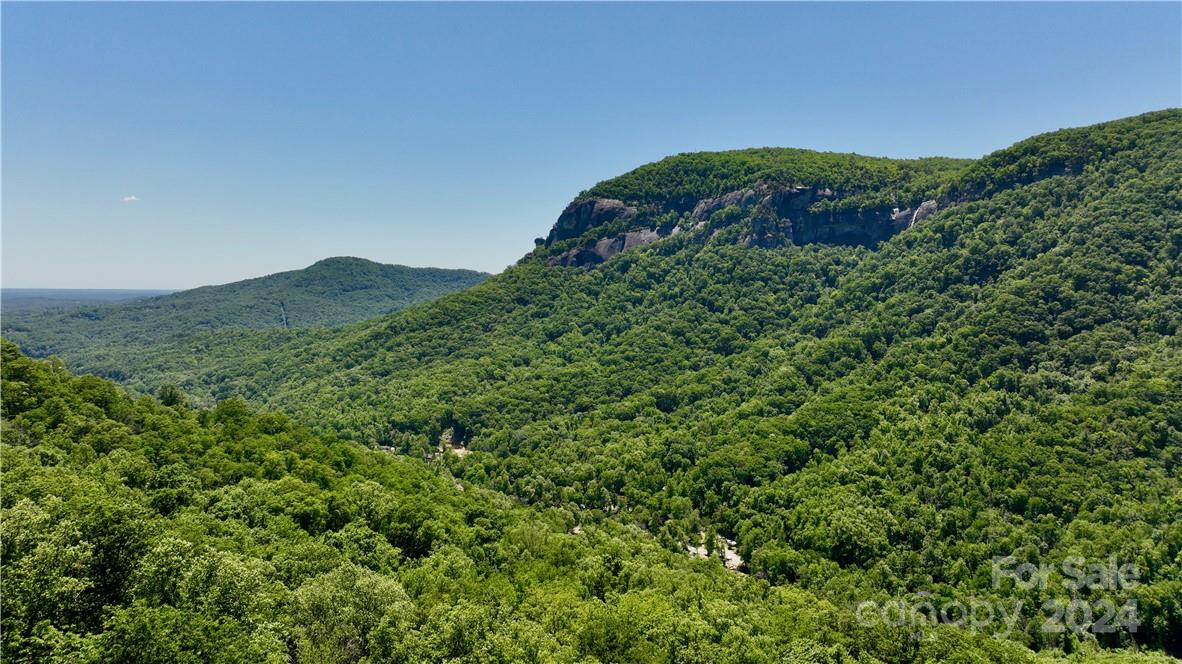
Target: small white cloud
<point x="131" y="199"/>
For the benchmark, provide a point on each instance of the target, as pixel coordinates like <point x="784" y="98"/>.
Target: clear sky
<point x="156" y="145"/>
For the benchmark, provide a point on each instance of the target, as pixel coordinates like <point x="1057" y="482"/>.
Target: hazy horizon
<point x="165" y="289"/>
<point x="167" y="146"/>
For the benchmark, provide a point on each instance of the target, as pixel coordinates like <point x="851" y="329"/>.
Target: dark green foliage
<point x="286" y="547"/>
<point x="680" y="181"/>
<point x="1003" y="378"/>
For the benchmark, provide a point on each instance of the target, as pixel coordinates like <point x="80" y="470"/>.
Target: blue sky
<point x="262" y="137"/>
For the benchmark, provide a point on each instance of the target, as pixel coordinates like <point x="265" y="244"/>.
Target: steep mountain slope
<point x="145" y="532"/>
<point x="783" y="195"/>
<point x="333" y="291"/>
<point x="998" y="377"/>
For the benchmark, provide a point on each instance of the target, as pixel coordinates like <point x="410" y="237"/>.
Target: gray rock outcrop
<point x="925" y="210"/>
<point x="586" y="213"/>
<point x="777" y="215"/>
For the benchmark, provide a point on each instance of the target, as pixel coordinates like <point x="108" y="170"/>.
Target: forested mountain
<point x="333" y="291"/>
<point x="873" y="376"/>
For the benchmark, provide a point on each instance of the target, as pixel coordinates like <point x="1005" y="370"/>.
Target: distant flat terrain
<point x="32" y="300"/>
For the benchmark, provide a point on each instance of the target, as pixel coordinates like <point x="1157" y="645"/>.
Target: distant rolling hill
<point x="331" y="292"/>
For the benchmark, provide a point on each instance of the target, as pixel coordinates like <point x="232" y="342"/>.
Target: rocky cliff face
<point x="586" y="213"/>
<point x="776" y="215"/>
<point x="605" y="248"/>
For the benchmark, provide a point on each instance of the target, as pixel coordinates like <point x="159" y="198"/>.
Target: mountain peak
<point x="776" y="195"/>
<point x="344" y="260"/>
<point x="779" y="196"/>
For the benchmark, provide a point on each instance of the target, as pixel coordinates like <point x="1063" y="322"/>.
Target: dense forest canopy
<point x="999" y="379"/>
<point x="697" y="175"/>
<point x="139" y="531"/>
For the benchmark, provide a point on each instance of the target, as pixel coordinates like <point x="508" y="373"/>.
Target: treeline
<point x="682" y="180"/>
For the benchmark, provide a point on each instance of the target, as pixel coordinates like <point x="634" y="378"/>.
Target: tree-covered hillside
<point x="1000" y="377"/>
<point x="334" y="291"/>
<point x="135" y="531"/>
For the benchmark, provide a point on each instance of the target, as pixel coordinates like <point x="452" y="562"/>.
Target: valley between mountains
<point x="861" y="381"/>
